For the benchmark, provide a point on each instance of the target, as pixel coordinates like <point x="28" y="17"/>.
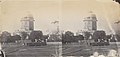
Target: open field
<point x="77" y="50"/>
<point x="82" y="50"/>
<point x="31" y="51"/>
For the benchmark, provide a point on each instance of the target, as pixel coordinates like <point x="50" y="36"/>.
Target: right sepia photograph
<point x="59" y="28"/>
<point x="99" y="33"/>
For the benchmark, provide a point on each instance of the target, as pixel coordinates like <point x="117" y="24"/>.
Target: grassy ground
<point x="30" y="51"/>
<point x="82" y="50"/>
<point x="76" y="49"/>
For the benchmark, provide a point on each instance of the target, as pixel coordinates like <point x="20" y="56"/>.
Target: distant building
<point x="27" y="23"/>
<point x="90" y="22"/>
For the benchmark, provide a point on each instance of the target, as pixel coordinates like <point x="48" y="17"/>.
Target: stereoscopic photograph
<point x="59" y="28"/>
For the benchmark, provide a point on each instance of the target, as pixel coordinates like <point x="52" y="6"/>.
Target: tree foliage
<point x="99" y="35"/>
<point x="69" y="33"/>
<point x="87" y="35"/>
<point x="54" y="38"/>
<point x="5" y="36"/>
<point x="24" y="35"/>
<point x="79" y="37"/>
<point x="118" y="37"/>
<point x="14" y="38"/>
<point x="36" y="35"/>
<point x="69" y="37"/>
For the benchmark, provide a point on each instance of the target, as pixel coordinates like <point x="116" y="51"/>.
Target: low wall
<point x="48" y="43"/>
<point x="115" y="43"/>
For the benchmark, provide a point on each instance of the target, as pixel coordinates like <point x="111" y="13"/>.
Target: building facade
<point x="27" y="23"/>
<point x="90" y="23"/>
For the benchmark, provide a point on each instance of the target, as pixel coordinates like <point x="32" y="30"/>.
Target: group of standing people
<point x="112" y="53"/>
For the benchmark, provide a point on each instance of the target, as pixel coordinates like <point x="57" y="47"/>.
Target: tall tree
<point x="118" y="37"/>
<point x="87" y="35"/>
<point x="69" y="33"/>
<point x="5" y="36"/>
<point x="24" y="35"/>
<point x="99" y="35"/>
<point x="67" y="37"/>
<point x="16" y="37"/>
<point x="36" y="35"/>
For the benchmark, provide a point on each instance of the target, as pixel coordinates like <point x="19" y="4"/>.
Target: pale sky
<point x="69" y="13"/>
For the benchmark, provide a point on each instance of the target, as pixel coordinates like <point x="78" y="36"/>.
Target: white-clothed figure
<point x="91" y="56"/>
<point x="112" y="53"/>
<point x="118" y="52"/>
<point x="95" y="54"/>
<point x="101" y="56"/>
<point x="0" y="46"/>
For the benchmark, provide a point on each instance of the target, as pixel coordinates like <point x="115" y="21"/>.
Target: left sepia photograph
<point x="30" y="28"/>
